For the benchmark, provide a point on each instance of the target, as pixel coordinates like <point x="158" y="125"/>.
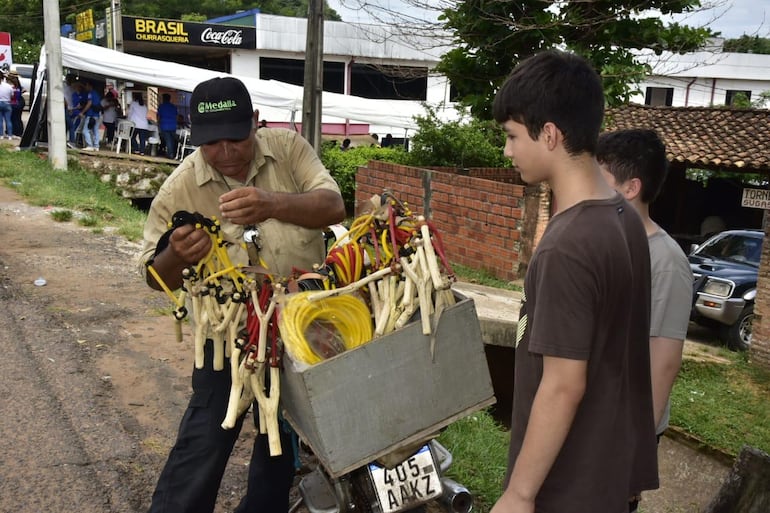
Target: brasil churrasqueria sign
<point x="154" y="30"/>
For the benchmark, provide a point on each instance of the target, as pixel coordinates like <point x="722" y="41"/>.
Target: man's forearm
<point x="553" y="410"/>
<point x="665" y="361"/>
<point x="314" y="209"/>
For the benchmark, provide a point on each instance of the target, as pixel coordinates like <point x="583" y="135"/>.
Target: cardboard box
<point x="388" y="393"/>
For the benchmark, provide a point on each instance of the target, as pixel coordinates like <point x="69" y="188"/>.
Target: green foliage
<point x="176" y="9"/>
<point x="483" y="277"/>
<point x="25" y="52"/>
<point x="748" y="44"/>
<point x="479" y="448"/>
<point x="761" y="101"/>
<point x="725" y="405"/>
<point x="343" y="165"/>
<point x="456" y="144"/>
<point x="741" y="101"/>
<point x="61" y="215"/>
<point x="492" y="37"/>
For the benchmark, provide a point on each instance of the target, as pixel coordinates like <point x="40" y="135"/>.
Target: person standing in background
<point x="68" y="107"/>
<point x="137" y="113"/>
<point x="110" y="107"/>
<point x="93" y="112"/>
<point x="80" y="102"/>
<point x="17" y="104"/>
<point x="167" y="113"/>
<point x="6" y="93"/>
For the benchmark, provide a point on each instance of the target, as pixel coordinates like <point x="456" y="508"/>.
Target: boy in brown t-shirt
<point x="582" y="433"/>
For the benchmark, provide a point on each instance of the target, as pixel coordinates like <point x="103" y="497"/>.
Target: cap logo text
<point x="220" y="106"/>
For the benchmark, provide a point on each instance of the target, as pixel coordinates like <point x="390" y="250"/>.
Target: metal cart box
<point x="364" y="403"/>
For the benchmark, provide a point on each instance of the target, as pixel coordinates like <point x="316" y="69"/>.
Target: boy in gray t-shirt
<point x="634" y="163"/>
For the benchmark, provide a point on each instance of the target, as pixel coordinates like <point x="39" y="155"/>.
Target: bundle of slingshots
<point x="388" y="267"/>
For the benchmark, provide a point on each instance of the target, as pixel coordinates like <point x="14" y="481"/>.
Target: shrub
<point x="343" y="166"/>
<point x="458" y="144"/>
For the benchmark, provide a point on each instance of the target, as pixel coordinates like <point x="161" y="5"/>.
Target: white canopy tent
<point x="271" y="97"/>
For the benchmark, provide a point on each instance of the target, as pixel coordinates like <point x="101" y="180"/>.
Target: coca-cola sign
<point x="222" y="37"/>
<point x="188" y="33"/>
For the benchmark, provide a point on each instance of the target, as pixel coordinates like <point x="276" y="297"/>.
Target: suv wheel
<point x="738" y="336"/>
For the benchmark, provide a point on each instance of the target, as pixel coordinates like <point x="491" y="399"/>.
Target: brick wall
<point x="760" y="336"/>
<point x="487" y="218"/>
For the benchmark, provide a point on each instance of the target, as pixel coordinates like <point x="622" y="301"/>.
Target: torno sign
<point x="756" y="198"/>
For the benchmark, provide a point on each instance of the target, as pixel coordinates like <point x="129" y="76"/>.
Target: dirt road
<point x="93" y="382"/>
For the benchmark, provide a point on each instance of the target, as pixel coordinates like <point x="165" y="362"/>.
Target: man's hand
<point x="189" y="244"/>
<point x="246" y="205"/>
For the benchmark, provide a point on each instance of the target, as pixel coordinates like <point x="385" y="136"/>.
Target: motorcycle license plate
<point x="410" y="483"/>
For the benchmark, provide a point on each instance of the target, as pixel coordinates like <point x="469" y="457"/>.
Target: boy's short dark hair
<point x="635" y="153"/>
<point x="559" y="87"/>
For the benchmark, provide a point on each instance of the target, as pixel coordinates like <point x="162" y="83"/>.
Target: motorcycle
<point x="403" y="480"/>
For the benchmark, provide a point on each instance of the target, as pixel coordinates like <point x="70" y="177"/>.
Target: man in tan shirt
<point x="268" y="181"/>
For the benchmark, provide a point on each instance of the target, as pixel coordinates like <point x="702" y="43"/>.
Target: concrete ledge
<point x="497" y="310"/>
<point x="692" y="441"/>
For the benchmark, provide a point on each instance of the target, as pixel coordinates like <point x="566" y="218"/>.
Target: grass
<point x="479" y="447"/>
<point x="483" y="277"/>
<point x="74" y="190"/>
<point x="724" y="405"/>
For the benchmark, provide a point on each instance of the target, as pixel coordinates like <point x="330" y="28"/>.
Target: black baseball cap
<point x="220" y="109"/>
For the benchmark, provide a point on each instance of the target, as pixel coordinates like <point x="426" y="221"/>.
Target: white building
<point x="704" y="79"/>
<point x="377" y="62"/>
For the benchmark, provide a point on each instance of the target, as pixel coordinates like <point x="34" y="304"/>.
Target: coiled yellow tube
<point x="344" y="318"/>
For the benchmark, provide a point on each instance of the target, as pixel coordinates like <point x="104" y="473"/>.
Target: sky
<point x="732" y="18"/>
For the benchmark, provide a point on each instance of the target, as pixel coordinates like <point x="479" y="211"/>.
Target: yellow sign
<point x="84" y="21"/>
<point x="161" y="30"/>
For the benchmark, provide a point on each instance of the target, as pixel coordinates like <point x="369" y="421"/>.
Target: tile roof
<point x="701" y="137"/>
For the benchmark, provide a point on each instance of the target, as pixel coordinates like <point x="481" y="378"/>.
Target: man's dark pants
<point x="190" y="480"/>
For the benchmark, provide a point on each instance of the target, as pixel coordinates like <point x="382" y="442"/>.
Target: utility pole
<point x="117" y="25"/>
<point x="314" y="61"/>
<point x="57" y="133"/>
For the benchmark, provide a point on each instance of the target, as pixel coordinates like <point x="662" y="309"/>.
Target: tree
<point x="748" y="44"/>
<point x="492" y="36"/>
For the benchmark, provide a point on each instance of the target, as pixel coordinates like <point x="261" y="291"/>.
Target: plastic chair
<point x="183" y="146"/>
<point x="123" y="132"/>
<point x="153" y="143"/>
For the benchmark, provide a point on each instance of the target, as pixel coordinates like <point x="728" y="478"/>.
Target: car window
<point x="24" y="71"/>
<point x="734" y="247"/>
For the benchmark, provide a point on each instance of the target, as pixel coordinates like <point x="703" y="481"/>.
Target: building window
<point x="733" y="96"/>
<point x="292" y="71"/>
<point x="389" y="82"/>
<point x="659" y="96"/>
